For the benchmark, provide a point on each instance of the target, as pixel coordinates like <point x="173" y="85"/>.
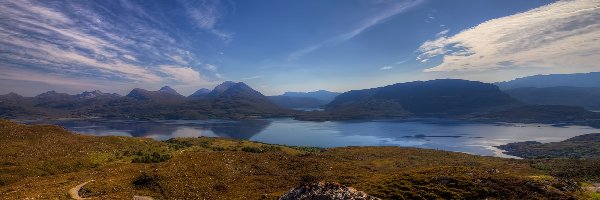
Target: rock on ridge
<point x="326" y="191"/>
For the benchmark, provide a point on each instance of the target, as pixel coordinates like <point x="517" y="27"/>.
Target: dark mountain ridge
<point x="448" y="98"/>
<point x="200" y="93"/>
<point x="439" y="97"/>
<point x="239" y="98"/>
<point x="323" y="95"/>
<point x="297" y="102"/>
<point x="586" y="97"/>
<point x="165" y="93"/>
<point x="591" y="79"/>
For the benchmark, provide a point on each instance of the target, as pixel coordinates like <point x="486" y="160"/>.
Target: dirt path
<point x="74" y="192"/>
<point x="595" y="187"/>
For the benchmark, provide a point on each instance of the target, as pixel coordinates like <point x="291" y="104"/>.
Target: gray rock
<point x="326" y="191"/>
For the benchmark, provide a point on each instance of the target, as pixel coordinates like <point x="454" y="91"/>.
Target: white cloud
<point x="251" y="78"/>
<point x="393" y="10"/>
<point x="130" y="57"/>
<point x="401" y="62"/>
<point x="210" y="67"/>
<point x="25" y="75"/>
<point x="185" y="75"/>
<point x="386" y="67"/>
<point x="564" y="36"/>
<point x="442" y="33"/>
<point x="178" y="59"/>
<point x="206" y="14"/>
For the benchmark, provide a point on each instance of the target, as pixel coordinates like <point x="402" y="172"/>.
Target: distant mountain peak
<point x="95" y="94"/>
<point x="169" y="90"/>
<point x="165" y="93"/>
<point x="11" y="95"/>
<point x="51" y="93"/>
<point x="323" y="95"/>
<point x="219" y="89"/>
<point x="591" y="79"/>
<point x="202" y="92"/>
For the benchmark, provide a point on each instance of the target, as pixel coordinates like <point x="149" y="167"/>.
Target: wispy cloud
<point x="393" y="9"/>
<point x="210" y="67"/>
<point x="123" y="44"/>
<point x="564" y="35"/>
<point x="206" y="14"/>
<point x="386" y="67"/>
<point x="401" y="62"/>
<point x="251" y="78"/>
<point x="184" y="75"/>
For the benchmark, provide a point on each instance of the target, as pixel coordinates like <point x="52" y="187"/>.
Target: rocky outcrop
<point x="326" y="191"/>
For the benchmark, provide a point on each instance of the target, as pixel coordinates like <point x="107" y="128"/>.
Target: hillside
<point x="588" y="98"/>
<point x="44" y="162"/>
<point x="322" y="95"/>
<point x="239" y="99"/>
<point x="583" y="146"/>
<point x="548" y="114"/>
<point x="297" y="102"/>
<point x="591" y="79"/>
<point x="437" y="97"/>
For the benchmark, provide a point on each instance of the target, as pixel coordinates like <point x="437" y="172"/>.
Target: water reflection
<point x="165" y="129"/>
<point x="242" y="130"/>
<point x="451" y="135"/>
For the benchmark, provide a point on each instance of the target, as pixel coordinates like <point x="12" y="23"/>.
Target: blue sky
<point x="288" y="45"/>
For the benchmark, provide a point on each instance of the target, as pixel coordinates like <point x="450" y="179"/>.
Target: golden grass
<point x="45" y="161"/>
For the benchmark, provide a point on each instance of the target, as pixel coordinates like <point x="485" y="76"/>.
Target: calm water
<point x="451" y="135"/>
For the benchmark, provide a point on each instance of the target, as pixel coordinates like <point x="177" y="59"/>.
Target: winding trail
<point x="595" y="187"/>
<point x="74" y="192"/>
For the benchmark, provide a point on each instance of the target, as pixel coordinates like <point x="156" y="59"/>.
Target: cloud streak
<point x="85" y="41"/>
<point x="392" y="10"/>
<point x="563" y="36"/>
<point x="386" y="67"/>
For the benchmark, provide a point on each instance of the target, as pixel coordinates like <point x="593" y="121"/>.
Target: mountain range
<point x="322" y="95"/>
<point x="449" y="98"/>
<point x="304" y="100"/>
<point x="586" y="97"/>
<point x="581" y="89"/>
<point x="227" y="100"/>
<point x="591" y="79"/>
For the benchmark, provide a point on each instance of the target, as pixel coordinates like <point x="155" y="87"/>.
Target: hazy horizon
<point x="275" y="46"/>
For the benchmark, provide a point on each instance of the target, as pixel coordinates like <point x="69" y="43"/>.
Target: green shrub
<point x="262" y="149"/>
<point x="152" y="158"/>
<point x="252" y="149"/>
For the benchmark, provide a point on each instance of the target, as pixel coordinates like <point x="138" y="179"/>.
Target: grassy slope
<point x="576" y="158"/>
<point x="45" y="161"/>
<point x="583" y="146"/>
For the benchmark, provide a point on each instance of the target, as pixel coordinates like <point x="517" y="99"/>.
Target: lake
<point x="443" y="134"/>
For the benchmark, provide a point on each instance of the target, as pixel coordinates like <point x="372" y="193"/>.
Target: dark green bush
<point x="152" y="158"/>
<point x="262" y="149"/>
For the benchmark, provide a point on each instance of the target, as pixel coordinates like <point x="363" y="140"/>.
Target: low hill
<point x="591" y="79"/>
<point x="323" y="95"/>
<point x="584" y="146"/>
<point x="548" y="114"/>
<point x="44" y="162"/>
<point x="297" y="102"/>
<point x="588" y="98"/>
<point x="164" y="94"/>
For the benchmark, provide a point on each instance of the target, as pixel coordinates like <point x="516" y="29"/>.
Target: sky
<point x="288" y="45"/>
